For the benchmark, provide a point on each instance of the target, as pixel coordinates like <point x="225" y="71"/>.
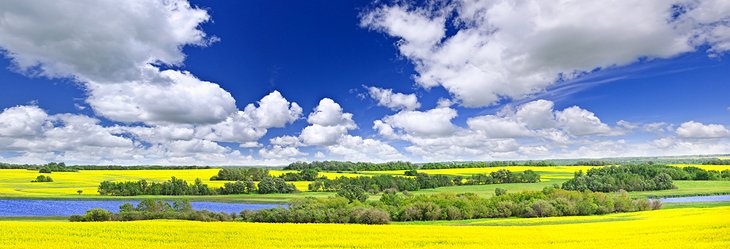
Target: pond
<point x="710" y="198"/>
<point x="16" y="208"/>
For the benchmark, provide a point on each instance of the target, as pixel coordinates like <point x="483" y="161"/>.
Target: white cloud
<point x="328" y="123"/>
<point x="537" y="114"/>
<point x="394" y="101"/>
<point x="694" y="129"/>
<point x="580" y="122"/>
<point x="285" y="141"/>
<point x="280" y="152"/>
<point x="355" y="148"/>
<point x="116" y="52"/>
<point x="274" y="111"/>
<point x="20" y="121"/>
<point x="183" y="99"/>
<point x="512" y="49"/>
<point x="498" y="127"/>
<point x="434" y="122"/>
<point x="329" y="113"/>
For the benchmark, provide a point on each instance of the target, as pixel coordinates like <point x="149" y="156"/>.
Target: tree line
<point x="456" y="165"/>
<point x="150" y="209"/>
<point x="380" y="183"/>
<point x="350" y="166"/>
<point x="176" y="186"/>
<point x="394" y="206"/>
<point x="639" y="177"/>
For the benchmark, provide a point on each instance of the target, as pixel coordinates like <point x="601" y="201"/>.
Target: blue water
<point x="10" y="208"/>
<point x="710" y="198"/>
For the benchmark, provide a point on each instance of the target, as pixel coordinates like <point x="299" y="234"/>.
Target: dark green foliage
<point x="499" y="191"/>
<point x="150" y="209"/>
<point x="350" y="166"/>
<point x="271" y="185"/>
<point x="411" y="173"/>
<point x="96" y="214"/>
<point x="454" y="165"/>
<point x="320" y="210"/>
<point x="448" y="206"/>
<point x="44" y="171"/>
<point x="591" y="163"/>
<point x="717" y="162"/>
<point x="353" y="193"/>
<point x="302" y="175"/>
<point x="241" y="174"/>
<point x="42" y="178"/>
<point x="379" y="183"/>
<point x="177" y="186"/>
<point x="640" y="177"/>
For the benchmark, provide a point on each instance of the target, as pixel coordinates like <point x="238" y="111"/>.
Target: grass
<point x="670" y="228"/>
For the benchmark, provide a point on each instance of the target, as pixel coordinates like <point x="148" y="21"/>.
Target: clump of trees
<point x="241" y="174"/>
<point x="717" y="161"/>
<point x="42" y="178"/>
<point x="56" y="167"/>
<point x="454" y="165"/>
<point x="379" y="183"/>
<point x="350" y="166"/>
<point x="591" y="163"/>
<point x="150" y="209"/>
<point x="176" y="186"/>
<point x="640" y="177"/>
<point x="394" y="206"/>
<point x="302" y="175"/>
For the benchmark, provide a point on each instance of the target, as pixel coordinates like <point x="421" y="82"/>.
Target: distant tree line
<point x="350" y="166"/>
<point x="455" y="165"/>
<point x="240" y="174"/>
<point x="42" y="178"/>
<point x="379" y="183"/>
<point x="591" y="163"/>
<point x="62" y="167"/>
<point x="717" y="161"/>
<point x="640" y="177"/>
<point x="150" y="209"/>
<point x="394" y="206"/>
<point x="177" y="186"/>
<point x="302" y="175"/>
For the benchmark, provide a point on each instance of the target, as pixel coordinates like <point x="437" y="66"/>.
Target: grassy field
<point x="15" y="183"/>
<point x="707" y="227"/>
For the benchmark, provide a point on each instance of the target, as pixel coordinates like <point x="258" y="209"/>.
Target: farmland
<point x="670" y="228"/>
<point x="15" y="183"/>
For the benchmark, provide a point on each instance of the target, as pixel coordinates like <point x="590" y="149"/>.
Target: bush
<point x="42" y="178"/>
<point x="353" y="193"/>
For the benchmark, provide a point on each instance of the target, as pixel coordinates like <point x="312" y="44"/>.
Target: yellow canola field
<point x="672" y="228"/>
<point x="705" y="167"/>
<point x="16" y="182"/>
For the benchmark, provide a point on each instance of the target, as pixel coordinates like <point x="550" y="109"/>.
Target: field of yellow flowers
<point x="670" y="228"/>
<point x="15" y="183"/>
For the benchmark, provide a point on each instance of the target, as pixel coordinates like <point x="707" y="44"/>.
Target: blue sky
<point x="185" y="83"/>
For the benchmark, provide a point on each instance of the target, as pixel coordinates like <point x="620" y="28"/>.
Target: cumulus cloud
<point x="581" y="122"/>
<point x="355" y="148"/>
<point x="116" y="52"/>
<point x="434" y="122"/>
<point x="505" y="49"/>
<point x="280" y="152"/>
<point x="21" y="121"/>
<point x="694" y="129"/>
<point x="328" y="122"/>
<point x="394" y="101"/>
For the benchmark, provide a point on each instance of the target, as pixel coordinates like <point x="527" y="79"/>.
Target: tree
<point x="79" y="191"/>
<point x="352" y="193"/>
